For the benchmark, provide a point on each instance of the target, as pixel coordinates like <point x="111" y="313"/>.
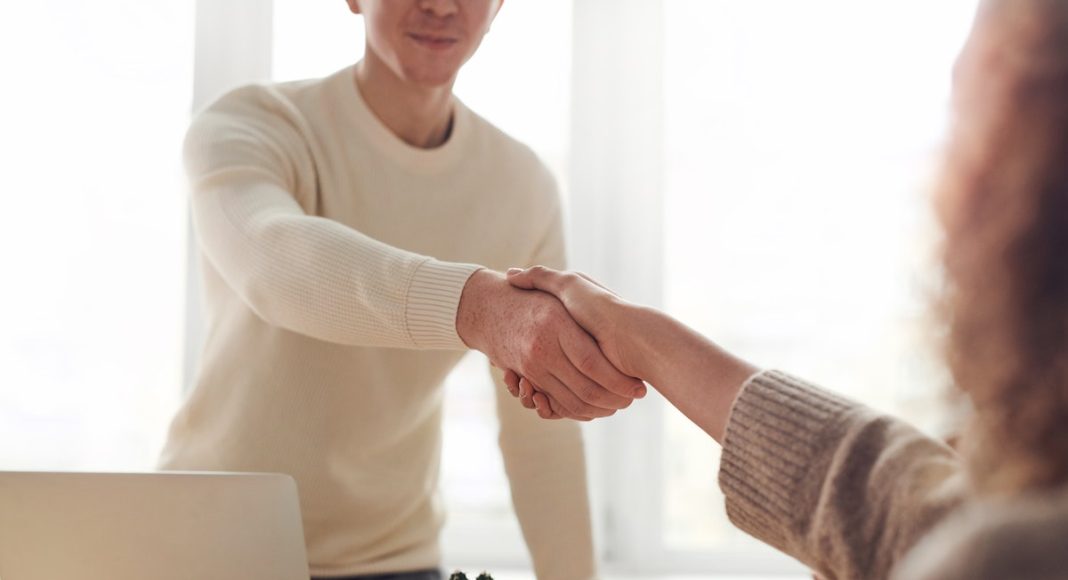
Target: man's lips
<point x="433" y="41"/>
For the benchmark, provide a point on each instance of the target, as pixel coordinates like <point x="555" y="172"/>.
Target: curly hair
<point x="1004" y="205"/>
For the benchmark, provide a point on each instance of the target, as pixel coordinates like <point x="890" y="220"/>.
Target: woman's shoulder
<point x="1024" y="538"/>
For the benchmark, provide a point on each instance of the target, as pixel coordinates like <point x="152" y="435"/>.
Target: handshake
<point x="566" y="343"/>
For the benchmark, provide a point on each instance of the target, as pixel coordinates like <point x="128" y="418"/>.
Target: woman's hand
<point x="694" y="374"/>
<point x="603" y="314"/>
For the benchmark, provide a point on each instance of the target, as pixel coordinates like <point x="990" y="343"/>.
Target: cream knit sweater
<point x="334" y="256"/>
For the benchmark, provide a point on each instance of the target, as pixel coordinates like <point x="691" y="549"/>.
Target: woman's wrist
<point x="696" y="375"/>
<point x="644" y="336"/>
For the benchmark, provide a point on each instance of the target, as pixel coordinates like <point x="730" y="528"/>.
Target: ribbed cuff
<point x="777" y="431"/>
<point x="433" y="297"/>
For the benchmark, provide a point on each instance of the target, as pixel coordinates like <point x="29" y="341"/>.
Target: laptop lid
<point x="163" y="526"/>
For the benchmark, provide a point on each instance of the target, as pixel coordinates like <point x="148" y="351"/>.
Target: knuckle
<point x="587" y="362"/>
<point x="589" y="393"/>
<point x="590" y="411"/>
<point x="546" y="313"/>
<point x="573" y="409"/>
<point x="530" y="352"/>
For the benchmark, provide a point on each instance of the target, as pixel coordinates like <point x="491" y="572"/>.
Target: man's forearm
<point x="321" y="278"/>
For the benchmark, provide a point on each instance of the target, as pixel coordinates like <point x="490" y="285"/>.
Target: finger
<point x="558" y="412"/>
<point x="511" y="381"/>
<point x="526" y="393"/>
<point x="587" y="357"/>
<point x="556" y="408"/>
<point x="579" y="410"/>
<point x="584" y="387"/>
<point x="531" y="393"/>
<point x="555" y="413"/>
<point x="575" y="408"/>
<point x="530" y="400"/>
<point x="537" y="278"/>
<point x="541" y="403"/>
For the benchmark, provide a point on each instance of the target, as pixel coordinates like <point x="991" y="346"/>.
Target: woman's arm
<point x="842" y="488"/>
<point x="692" y="372"/>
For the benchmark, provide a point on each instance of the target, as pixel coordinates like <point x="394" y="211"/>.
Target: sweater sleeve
<point x="839" y="487"/>
<point x="546" y="466"/>
<point x="249" y="167"/>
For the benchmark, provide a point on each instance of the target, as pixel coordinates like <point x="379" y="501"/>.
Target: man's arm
<point x="248" y="165"/>
<point x="320" y="278"/>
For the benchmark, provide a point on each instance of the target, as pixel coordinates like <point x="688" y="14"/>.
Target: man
<point x="330" y="328"/>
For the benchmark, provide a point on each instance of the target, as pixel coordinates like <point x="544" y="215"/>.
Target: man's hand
<point x="598" y="310"/>
<point x="532" y="334"/>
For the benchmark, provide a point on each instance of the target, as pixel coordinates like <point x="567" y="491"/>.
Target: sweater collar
<point x="417" y="160"/>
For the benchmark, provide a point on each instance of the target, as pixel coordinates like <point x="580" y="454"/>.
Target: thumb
<point x="535" y="278"/>
<point x="520" y="279"/>
<point x="597" y="284"/>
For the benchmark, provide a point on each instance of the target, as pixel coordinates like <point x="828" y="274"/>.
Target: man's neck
<point x="421" y="117"/>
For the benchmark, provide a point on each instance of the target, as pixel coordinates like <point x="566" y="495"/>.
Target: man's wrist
<point x="472" y="309"/>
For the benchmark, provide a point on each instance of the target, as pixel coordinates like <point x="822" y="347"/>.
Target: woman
<point x="854" y="494"/>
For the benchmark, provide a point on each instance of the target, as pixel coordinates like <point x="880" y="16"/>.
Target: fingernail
<point x="640" y="392"/>
<point x="514" y="271"/>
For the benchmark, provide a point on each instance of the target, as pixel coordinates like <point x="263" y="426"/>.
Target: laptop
<point x="158" y="526"/>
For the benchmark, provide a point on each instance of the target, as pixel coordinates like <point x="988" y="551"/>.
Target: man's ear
<point x="354" y="6"/>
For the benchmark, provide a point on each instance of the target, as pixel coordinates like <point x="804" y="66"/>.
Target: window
<point x="800" y="141"/>
<point x="92" y="236"/>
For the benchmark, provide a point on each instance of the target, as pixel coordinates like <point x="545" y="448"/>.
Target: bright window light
<point x="92" y="236"/>
<point x="800" y="143"/>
